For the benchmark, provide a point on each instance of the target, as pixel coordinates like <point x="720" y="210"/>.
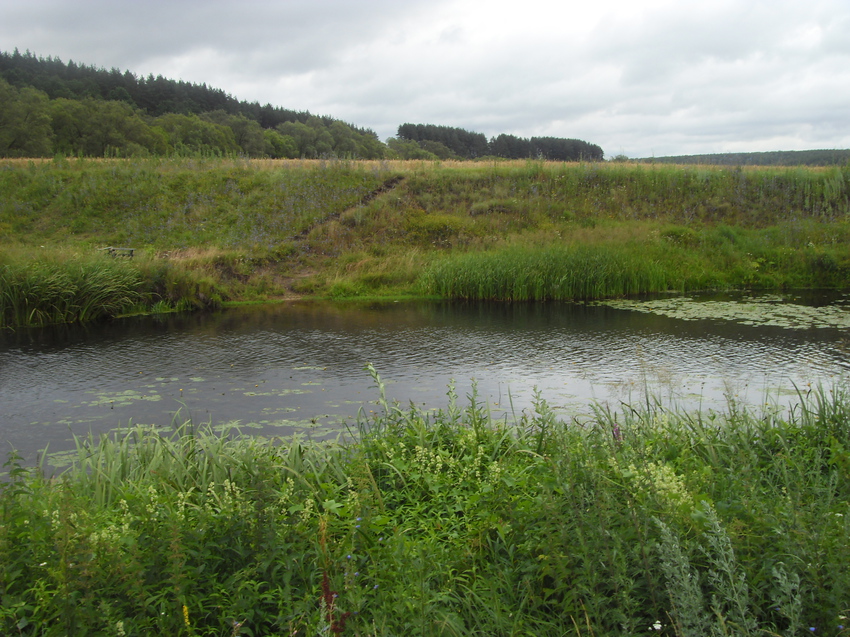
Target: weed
<point x="443" y="522"/>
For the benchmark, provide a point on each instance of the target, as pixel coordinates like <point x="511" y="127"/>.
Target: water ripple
<point x="292" y="367"/>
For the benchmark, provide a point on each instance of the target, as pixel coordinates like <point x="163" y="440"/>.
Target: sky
<point x="640" y="78"/>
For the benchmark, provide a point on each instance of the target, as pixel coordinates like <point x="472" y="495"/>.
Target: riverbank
<point x="637" y="522"/>
<point x="212" y="231"/>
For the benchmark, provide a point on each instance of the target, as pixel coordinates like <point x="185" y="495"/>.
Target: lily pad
<point x="278" y="392"/>
<point x="764" y="311"/>
<point x="121" y="399"/>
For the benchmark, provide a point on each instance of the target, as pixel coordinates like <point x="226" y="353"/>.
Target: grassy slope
<point x="513" y="230"/>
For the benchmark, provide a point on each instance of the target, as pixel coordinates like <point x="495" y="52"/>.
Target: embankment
<point x="210" y="231"/>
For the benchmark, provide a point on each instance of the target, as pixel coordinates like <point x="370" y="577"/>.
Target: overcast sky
<point x="637" y="77"/>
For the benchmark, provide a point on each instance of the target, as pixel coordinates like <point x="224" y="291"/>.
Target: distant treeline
<point x="449" y="142"/>
<point x="49" y="107"/>
<point x="827" y="157"/>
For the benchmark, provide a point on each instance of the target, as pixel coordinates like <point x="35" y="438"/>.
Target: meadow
<point x="449" y="522"/>
<point x="207" y="232"/>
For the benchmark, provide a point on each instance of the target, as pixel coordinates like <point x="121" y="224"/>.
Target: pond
<point x="298" y="367"/>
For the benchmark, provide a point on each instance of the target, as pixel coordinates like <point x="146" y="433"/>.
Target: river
<point x="276" y="370"/>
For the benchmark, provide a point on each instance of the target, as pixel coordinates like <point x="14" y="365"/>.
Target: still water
<point x="299" y="367"/>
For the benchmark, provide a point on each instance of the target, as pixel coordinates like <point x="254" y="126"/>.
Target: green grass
<point x="557" y="272"/>
<point x="445" y="523"/>
<point x="634" y="258"/>
<point x="43" y="292"/>
<point x="246" y="230"/>
<point x="175" y="204"/>
<point x="66" y="287"/>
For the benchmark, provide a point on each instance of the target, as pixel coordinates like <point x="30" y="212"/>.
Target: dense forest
<point x="50" y="107"/>
<point x="448" y="142"/>
<point x="825" y="157"/>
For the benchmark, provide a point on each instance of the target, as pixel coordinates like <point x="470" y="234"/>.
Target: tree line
<point x="49" y="107"/>
<point x="448" y="142"/>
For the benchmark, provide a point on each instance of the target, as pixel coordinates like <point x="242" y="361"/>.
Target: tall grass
<point x="559" y="272"/>
<point x="47" y="291"/>
<point x="641" y="521"/>
<point x="682" y="194"/>
<point x="61" y="286"/>
<point x="641" y="257"/>
<point x="176" y="204"/>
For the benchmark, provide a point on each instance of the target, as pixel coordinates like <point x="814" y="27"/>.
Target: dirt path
<point x="387" y="186"/>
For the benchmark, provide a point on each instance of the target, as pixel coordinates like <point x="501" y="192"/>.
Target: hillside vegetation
<point x="213" y="231"/>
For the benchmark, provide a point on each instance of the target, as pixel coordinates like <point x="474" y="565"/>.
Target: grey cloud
<point x="686" y="77"/>
<point x="274" y="36"/>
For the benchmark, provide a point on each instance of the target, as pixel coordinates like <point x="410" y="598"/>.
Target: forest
<point x="456" y="143"/>
<point x="49" y="107"/>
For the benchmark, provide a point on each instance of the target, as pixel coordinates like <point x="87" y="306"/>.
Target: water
<point x="279" y="369"/>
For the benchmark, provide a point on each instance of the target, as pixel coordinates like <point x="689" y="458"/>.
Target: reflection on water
<point x="278" y="369"/>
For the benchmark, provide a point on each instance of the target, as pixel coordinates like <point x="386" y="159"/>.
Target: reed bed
<point x="551" y="273"/>
<point x="43" y="292"/>
<point x="63" y="286"/>
<point x="450" y="522"/>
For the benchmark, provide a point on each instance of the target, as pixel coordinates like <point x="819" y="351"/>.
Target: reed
<point x="48" y="291"/>
<point x="562" y="272"/>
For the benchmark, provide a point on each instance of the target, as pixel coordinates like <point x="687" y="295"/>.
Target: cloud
<point x="654" y="77"/>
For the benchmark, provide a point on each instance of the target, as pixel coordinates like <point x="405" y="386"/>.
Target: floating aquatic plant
<point x="768" y="311"/>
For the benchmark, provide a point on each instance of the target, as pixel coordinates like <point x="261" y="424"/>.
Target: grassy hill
<point x="222" y="230"/>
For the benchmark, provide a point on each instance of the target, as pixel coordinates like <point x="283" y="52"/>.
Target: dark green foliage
<point x="99" y="113"/>
<point x="96" y="128"/>
<point x="192" y="135"/>
<point x="546" y="148"/>
<point x="313" y="139"/>
<point x="24" y="122"/>
<point x="154" y="95"/>
<point x="409" y="149"/>
<point x="469" y="145"/>
<point x="461" y="142"/>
